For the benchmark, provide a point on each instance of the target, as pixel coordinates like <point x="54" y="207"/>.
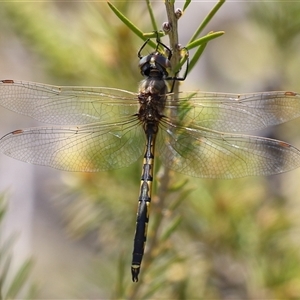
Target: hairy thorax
<point x="152" y="98"/>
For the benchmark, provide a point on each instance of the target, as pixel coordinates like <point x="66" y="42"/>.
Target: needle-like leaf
<point x="129" y="24"/>
<point x="151" y="14"/>
<point x="207" y="20"/>
<point x="204" y="40"/>
<point x="186" y="4"/>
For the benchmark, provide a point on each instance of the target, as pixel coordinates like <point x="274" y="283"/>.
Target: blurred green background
<point x="216" y="239"/>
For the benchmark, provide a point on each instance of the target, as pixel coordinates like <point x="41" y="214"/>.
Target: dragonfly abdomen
<point x="144" y="202"/>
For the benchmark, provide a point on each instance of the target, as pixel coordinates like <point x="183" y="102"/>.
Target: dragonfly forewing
<point x="67" y="105"/>
<point x="234" y="112"/>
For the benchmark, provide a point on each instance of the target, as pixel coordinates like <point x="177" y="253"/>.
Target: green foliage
<point x="200" y="43"/>
<point x="207" y="239"/>
<point x="13" y="286"/>
<point x="280" y="21"/>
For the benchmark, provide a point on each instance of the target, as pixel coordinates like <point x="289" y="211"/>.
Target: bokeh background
<point x="218" y="239"/>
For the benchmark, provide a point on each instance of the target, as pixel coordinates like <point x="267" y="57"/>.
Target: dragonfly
<point x="201" y="134"/>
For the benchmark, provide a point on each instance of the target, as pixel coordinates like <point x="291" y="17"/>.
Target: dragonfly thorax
<point x="152" y="98"/>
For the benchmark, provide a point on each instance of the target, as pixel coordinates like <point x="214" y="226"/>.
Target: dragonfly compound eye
<point x="154" y="63"/>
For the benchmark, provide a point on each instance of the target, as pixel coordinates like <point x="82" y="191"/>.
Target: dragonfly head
<point x="154" y="65"/>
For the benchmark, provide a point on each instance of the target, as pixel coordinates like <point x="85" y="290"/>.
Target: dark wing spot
<point x="290" y="94"/>
<point x="18" y="131"/>
<point x="7" y="81"/>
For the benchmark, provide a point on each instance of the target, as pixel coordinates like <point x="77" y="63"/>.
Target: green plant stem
<point x="173" y="36"/>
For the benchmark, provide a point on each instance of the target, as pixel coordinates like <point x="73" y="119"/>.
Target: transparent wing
<point x="86" y="105"/>
<point x="204" y="153"/>
<point x="67" y="105"/>
<point x="233" y="112"/>
<point x="87" y="148"/>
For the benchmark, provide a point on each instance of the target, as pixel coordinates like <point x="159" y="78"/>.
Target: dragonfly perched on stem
<point x="195" y="133"/>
